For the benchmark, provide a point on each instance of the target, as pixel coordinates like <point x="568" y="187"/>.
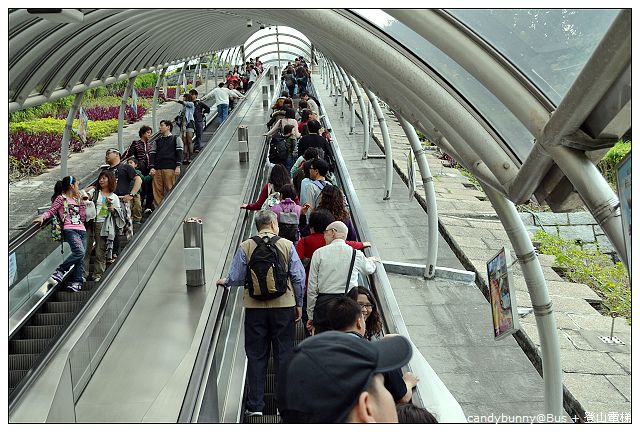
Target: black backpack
<point x="278" y="149"/>
<point x="267" y="273"/>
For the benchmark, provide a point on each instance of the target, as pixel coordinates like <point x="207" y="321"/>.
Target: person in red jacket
<point x="306" y="246"/>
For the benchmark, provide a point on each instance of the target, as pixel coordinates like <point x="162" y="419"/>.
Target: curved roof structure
<point x="497" y="89"/>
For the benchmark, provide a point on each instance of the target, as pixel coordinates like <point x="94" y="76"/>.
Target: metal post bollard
<point x="243" y="143"/>
<point x="194" y="251"/>
<point x="265" y="97"/>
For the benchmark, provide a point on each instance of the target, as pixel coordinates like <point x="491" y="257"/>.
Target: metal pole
<point x="343" y="85"/>
<point x="206" y="75"/>
<point x="278" y="47"/>
<point x="388" y="152"/>
<point x="371" y="118"/>
<point x="352" y="106"/>
<point x="326" y="84"/>
<point x="365" y="119"/>
<point x="66" y="134"/>
<point x="123" y="107"/>
<point x="183" y="79"/>
<point x="265" y="97"/>
<point x="194" y="251"/>
<point x="154" y="103"/>
<point x="243" y="143"/>
<point x="215" y="70"/>
<point x="542" y="307"/>
<point x="429" y="193"/>
<point x="195" y="73"/>
<point x="602" y="201"/>
<point x="336" y="91"/>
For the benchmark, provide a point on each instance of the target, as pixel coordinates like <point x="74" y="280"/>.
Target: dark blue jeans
<point x="197" y="141"/>
<point x="262" y="329"/>
<point x="77" y="241"/>
<point x="223" y="112"/>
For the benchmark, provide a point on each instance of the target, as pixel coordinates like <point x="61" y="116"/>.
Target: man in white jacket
<point x="333" y="272"/>
<point x="222" y="95"/>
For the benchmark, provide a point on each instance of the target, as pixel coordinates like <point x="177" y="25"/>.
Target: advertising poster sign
<point x="502" y="294"/>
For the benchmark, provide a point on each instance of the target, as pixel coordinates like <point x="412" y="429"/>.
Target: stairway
<point x="270" y="408"/>
<point x="29" y="346"/>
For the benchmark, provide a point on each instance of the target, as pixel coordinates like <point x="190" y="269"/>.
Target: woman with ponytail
<point x="70" y="210"/>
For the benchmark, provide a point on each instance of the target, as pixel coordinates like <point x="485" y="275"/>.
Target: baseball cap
<point x="326" y="373"/>
<point x="112" y="150"/>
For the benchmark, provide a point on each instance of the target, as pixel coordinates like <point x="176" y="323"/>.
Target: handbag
<point x="91" y="210"/>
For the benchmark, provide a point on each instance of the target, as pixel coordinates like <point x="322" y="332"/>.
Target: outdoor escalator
<point x="39" y="313"/>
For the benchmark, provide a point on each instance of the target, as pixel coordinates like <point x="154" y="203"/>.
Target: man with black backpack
<point x="273" y="277"/>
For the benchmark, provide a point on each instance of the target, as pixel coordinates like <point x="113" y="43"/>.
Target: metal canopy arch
<point x="280" y="33"/>
<point x="293" y="53"/>
<point x="305" y="51"/>
<point x="590" y="117"/>
<point x="332" y="31"/>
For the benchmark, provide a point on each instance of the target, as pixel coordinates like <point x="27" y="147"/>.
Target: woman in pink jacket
<point x="70" y="210"/>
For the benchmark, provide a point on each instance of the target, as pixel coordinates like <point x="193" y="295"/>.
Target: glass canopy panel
<point x="506" y="125"/>
<point x="549" y="46"/>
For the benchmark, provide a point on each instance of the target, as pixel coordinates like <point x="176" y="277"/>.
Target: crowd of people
<point x="304" y="264"/>
<point x="95" y="221"/>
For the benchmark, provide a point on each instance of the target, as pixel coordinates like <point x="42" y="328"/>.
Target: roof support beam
<point x="66" y="134"/>
<point x="542" y="306"/>
<point x="598" y="75"/>
<point x="388" y="153"/>
<point x="429" y="193"/>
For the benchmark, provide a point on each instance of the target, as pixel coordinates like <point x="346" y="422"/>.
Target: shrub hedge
<point x="593" y="268"/>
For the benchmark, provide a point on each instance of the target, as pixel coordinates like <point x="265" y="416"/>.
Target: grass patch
<point x="592" y="268"/>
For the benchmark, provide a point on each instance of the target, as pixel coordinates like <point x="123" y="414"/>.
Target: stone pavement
<point x="597" y="377"/>
<point x="27" y="195"/>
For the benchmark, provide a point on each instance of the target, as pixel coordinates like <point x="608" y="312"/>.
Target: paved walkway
<point x="27" y="195"/>
<point x="597" y="375"/>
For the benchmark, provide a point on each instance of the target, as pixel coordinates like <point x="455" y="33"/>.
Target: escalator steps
<point x="62" y="307"/>
<point x="40" y="332"/>
<point x="264" y="419"/>
<point x="70" y="296"/>
<point x="42" y="319"/>
<point x="299" y="333"/>
<point x="270" y="405"/>
<point x="270" y="383"/>
<point x="15" y="376"/>
<point x="21" y="361"/>
<point x="28" y="346"/>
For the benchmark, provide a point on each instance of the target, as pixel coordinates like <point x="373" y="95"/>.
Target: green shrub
<point x="96" y="129"/>
<point x="613" y="157"/>
<point x="593" y="268"/>
<point x="147" y="80"/>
